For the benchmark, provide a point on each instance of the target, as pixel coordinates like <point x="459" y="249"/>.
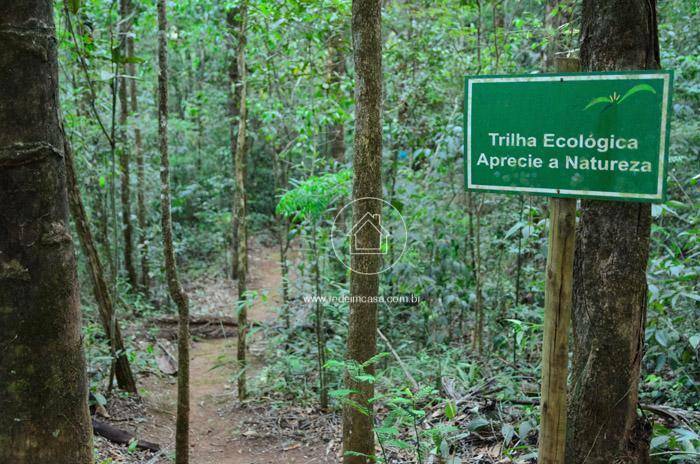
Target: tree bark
<point x="555" y="344"/>
<point x="124" y="152"/>
<point x="241" y="200"/>
<point x="122" y="369"/>
<point x="43" y="386"/>
<point x="358" y="434"/>
<point x="145" y="282"/>
<point x="234" y="24"/>
<point x="174" y="287"/>
<point x="610" y="285"/>
<point x="336" y="69"/>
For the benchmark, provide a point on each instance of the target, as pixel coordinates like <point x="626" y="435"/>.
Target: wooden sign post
<point x="558" y="298"/>
<point x="557" y="316"/>
<point x="567" y="135"/>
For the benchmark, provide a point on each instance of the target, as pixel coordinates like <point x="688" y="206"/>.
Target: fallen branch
<point x="200" y="326"/>
<point x="674" y="414"/>
<point x="200" y="320"/>
<point x="398" y="359"/>
<point x="119" y="436"/>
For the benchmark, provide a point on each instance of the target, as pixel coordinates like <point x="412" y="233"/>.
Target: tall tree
<point x="145" y="282"/>
<point x="335" y="67"/>
<point x="182" y="441"/>
<point x="358" y="433"/>
<point x="241" y="200"/>
<point x="43" y="387"/>
<point x="233" y="22"/>
<point x="122" y="368"/>
<point x="124" y="152"/>
<point x="610" y="288"/>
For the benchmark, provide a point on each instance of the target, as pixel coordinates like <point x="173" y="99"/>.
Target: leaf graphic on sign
<point x="595" y="101"/>
<point x="616" y="99"/>
<point x="636" y="89"/>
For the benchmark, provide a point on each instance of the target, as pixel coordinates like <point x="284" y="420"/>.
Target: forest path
<point x="222" y="430"/>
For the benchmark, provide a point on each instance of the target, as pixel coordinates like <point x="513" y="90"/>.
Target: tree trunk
<point x="124" y="155"/>
<point x="478" y="340"/>
<point x="175" y="288"/>
<point x="43" y="387"/>
<point x="234" y="24"/>
<point x="318" y="324"/>
<point x="610" y="293"/>
<point x="553" y="19"/>
<point x="124" y="375"/>
<point x="241" y="200"/>
<point x="336" y="69"/>
<point x="358" y="434"/>
<point x="145" y="282"/>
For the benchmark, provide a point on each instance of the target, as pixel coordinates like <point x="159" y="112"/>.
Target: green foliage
<point x="311" y="198"/>
<point x="428" y="48"/>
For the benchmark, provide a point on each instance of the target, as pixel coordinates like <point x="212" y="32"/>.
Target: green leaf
<point x="508" y="431"/>
<point x="450" y="410"/>
<point x="334" y="364"/>
<point x="374" y="359"/>
<point x="132" y="445"/>
<point x="636" y="89"/>
<point x="695" y="341"/>
<point x="133" y="60"/>
<point x="595" y="101"/>
<point x="477" y="423"/>
<point x="74" y="6"/>
<point x="341" y="393"/>
<point x="658" y="441"/>
<point x="661" y="337"/>
<point x="387" y="431"/>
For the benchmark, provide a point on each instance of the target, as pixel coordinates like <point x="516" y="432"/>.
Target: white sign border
<point x="666" y="77"/>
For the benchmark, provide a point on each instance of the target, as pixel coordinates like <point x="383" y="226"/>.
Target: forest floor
<point x="222" y="429"/>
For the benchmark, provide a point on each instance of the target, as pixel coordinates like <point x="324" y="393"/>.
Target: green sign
<point x="595" y="135"/>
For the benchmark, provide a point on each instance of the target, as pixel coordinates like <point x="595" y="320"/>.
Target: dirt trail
<point x="222" y="430"/>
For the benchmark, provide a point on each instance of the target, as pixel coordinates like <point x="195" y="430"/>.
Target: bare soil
<point x="222" y="429"/>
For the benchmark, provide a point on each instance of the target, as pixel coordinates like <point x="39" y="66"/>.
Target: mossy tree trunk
<point x="241" y="200"/>
<point x="358" y="432"/>
<point x="143" y="245"/>
<point x="182" y="442"/>
<point x="233" y="21"/>
<point x="43" y="386"/>
<point x="125" y="150"/>
<point x="122" y="369"/>
<point x="610" y="288"/>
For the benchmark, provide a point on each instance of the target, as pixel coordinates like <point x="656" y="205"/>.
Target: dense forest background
<point x="461" y="367"/>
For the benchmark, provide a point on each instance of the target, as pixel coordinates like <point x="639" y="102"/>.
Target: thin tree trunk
<point x="283" y="237"/>
<point x="234" y="24"/>
<point x="143" y="245"/>
<point x="336" y="70"/>
<point x="122" y="369"/>
<point x="124" y="153"/>
<point x="478" y="339"/>
<point x="43" y="386"/>
<point x="102" y="235"/>
<point x="175" y="288"/>
<point x="284" y="264"/>
<point x="610" y="288"/>
<point x="519" y="259"/>
<point x="241" y="207"/>
<point x="358" y="433"/>
<point x="320" y="338"/>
